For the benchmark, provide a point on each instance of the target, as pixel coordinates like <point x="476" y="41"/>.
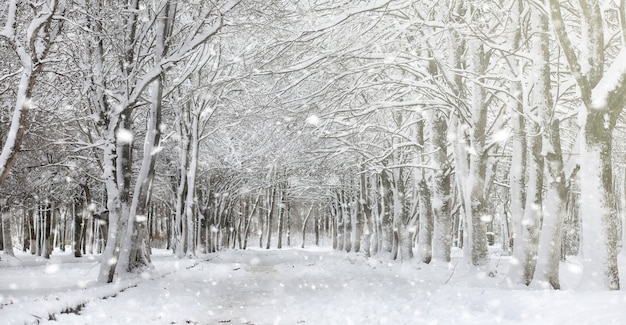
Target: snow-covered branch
<point x="179" y="54"/>
<point x="609" y="92"/>
<point x="338" y="19"/>
<point x="570" y="52"/>
<point x="8" y="31"/>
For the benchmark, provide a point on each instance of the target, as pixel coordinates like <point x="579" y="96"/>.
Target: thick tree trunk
<point x="517" y="171"/>
<point x="178" y="223"/>
<point x="404" y="235"/>
<point x="137" y="232"/>
<point x="600" y="222"/>
<point x="111" y="251"/>
<point x="442" y="236"/>
<point x="540" y="106"/>
<point x="533" y="212"/>
<point x="189" y="207"/>
<point x="549" y="255"/>
<point x="124" y="177"/>
<point x="472" y="184"/>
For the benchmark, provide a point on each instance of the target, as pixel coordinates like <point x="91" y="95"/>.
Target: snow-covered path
<point x="291" y="286"/>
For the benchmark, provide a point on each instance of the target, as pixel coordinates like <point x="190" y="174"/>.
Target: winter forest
<point x="461" y="137"/>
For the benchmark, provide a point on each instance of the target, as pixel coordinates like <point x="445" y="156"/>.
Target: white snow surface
<point x="291" y="286"/>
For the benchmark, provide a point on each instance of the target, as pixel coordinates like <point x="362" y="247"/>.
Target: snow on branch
<point x="338" y="19"/>
<point x="568" y="50"/>
<point x="197" y="39"/>
<point x="8" y="31"/>
<point x="612" y="84"/>
<point x="39" y="22"/>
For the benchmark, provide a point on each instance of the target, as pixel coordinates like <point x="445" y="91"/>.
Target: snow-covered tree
<point x="132" y="50"/>
<point x="30" y="30"/>
<point x="599" y="68"/>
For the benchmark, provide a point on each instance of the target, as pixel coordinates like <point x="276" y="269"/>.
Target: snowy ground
<point x="289" y="286"/>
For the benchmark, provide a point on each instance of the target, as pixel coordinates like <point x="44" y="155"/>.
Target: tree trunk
<point x="474" y="202"/>
<point x="533" y="212"/>
<point x="249" y="216"/>
<point x="288" y="215"/>
<point x="386" y="202"/>
<point x="517" y="171"/>
<point x="600" y="221"/>
<point x="138" y="232"/>
<point x="111" y="251"/>
<point x="442" y="236"/>
<point x="32" y="230"/>
<point x="540" y="105"/>
<point x="317" y="225"/>
<point x="549" y="255"/>
<point x="346" y="217"/>
<point x="178" y="223"/>
<point x="339" y="222"/>
<point x="517" y="193"/>
<point x="79" y="212"/>
<point x="191" y="184"/>
<point x="47" y="231"/>
<point x="404" y="235"/>
<point x="426" y="222"/>
<point x="281" y="211"/>
<point x="6" y="231"/>
<point x="423" y="196"/>
<point x="304" y="222"/>
<point x="270" y="214"/>
<point x="365" y="214"/>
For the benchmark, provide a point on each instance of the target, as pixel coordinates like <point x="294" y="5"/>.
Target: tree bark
<point x="270" y="214"/>
<point x="386" y="215"/>
<point x="517" y="171"/>
<point x="547" y="270"/>
<point x="304" y="222"/>
<point x="442" y="237"/>
<point x="474" y="180"/>
<point x="600" y="222"/>
<point x="425" y="208"/>
<point x="6" y="231"/>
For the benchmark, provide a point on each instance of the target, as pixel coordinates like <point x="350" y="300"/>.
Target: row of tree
<point x="394" y="124"/>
